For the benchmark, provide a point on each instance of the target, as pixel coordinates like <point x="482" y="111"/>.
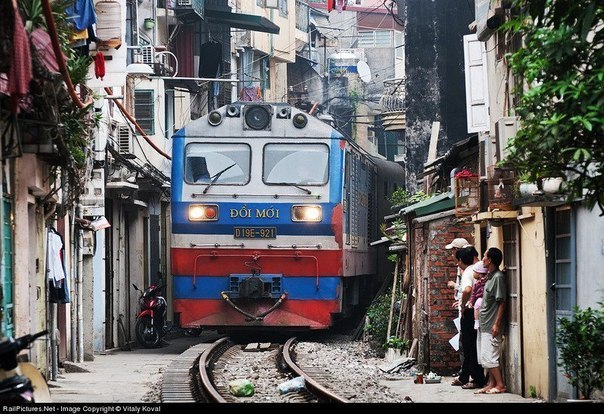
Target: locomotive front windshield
<point x="217" y="163"/>
<point x="296" y="164"/>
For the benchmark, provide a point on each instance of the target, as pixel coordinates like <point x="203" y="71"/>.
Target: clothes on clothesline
<point x="20" y="73"/>
<point x="250" y="94"/>
<point x="82" y="14"/>
<point x="99" y="65"/>
<point x="58" y="289"/>
<point x="210" y="61"/>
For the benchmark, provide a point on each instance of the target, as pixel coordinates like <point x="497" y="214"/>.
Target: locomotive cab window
<point x="304" y="164"/>
<point x="217" y="163"/>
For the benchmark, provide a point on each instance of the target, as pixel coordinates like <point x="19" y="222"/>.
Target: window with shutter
<point x="283" y="8"/>
<point x="477" y="94"/>
<point x="144" y="110"/>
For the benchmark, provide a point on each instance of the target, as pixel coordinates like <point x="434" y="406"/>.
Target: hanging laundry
<point x="210" y="59"/>
<point x="82" y="14"/>
<point x="20" y="73"/>
<point x="54" y="262"/>
<point x="58" y="290"/>
<point x="250" y="94"/>
<point x="79" y="35"/>
<point x="42" y="47"/>
<point x="216" y="88"/>
<point x="99" y="65"/>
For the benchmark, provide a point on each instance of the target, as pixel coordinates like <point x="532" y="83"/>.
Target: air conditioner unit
<point x="184" y="2"/>
<point x="148" y="53"/>
<point x="123" y="138"/>
<point x="505" y="128"/>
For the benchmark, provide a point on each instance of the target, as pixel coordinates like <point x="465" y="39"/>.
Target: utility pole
<point x="325" y="71"/>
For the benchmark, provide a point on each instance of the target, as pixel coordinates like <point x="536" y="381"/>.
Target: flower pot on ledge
<point x="149" y="23"/>
<point x="527" y="189"/>
<point x="551" y="185"/>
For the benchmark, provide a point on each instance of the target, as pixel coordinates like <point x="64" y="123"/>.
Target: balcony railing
<point x="188" y="8"/>
<point x="393" y="99"/>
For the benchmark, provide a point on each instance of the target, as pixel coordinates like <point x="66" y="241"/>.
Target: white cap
<point x="459" y="243"/>
<point x="479" y="267"/>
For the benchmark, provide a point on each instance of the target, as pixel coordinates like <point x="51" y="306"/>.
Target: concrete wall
<point x="29" y="251"/>
<point x="282" y="46"/>
<point x="382" y="63"/>
<point x="434" y="68"/>
<point x="590" y="258"/>
<point x="141" y="148"/>
<point x="278" y="90"/>
<point x="88" y="325"/>
<point x="98" y="267"/>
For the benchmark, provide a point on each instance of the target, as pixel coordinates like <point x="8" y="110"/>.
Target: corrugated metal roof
<point x="322" y="25"/>
<point x="444" y="197"/>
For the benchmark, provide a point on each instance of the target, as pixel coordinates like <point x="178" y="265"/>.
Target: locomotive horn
<point x="284" y="113"/>
<point x="232" y="111"/>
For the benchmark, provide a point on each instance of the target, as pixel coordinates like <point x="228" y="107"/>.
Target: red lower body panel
<point x="233" y="261"/>
<point x="315" y="314"/>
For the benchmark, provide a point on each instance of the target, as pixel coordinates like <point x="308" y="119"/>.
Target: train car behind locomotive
<point x="273" y="212"/>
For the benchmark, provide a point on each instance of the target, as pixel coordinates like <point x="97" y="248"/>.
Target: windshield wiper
<point x="217" y="176"/>
<point x="306" y="190"/>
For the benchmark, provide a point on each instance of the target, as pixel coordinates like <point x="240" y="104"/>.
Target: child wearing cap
<point x="480" y="274"/>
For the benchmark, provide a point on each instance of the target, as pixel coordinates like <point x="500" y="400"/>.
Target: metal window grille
<point x="144" y="110"/>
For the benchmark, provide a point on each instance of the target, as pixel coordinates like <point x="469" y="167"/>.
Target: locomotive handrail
<point x="217" y="245"/>
<point x="235" y="195"/>
<point x="296" y="256"/>
<point x="294" y="246"/>
<point x="261" y="315"/>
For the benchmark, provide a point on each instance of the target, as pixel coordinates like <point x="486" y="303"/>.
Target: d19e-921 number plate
<point x="255" y="232"/>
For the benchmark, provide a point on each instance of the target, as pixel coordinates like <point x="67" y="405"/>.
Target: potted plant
<point x="581" y="343"/>
<point x="526" y="187"/>
<point x="395" y="347"/>
<point x="149" y="23"/>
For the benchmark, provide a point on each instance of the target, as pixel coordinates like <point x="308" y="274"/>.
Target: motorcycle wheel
<point x="146" y="334"/>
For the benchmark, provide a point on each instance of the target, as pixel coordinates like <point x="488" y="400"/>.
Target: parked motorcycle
<point x="20" y="382"/>
<point x="150" y="325"/>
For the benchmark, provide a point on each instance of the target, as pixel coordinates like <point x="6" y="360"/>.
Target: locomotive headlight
<point x="308" y="213"/>
<point x="203" y="212"/>
<point x="300" y="120"/>
<point x="214" y="118"/>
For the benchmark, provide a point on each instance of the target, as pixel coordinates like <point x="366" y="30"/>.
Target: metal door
<point x="512" y="358"/>
<point x="6" y="293"/>
<point x="562" y="256"/>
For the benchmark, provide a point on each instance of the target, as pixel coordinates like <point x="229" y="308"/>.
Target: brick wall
<point x="432" y="267"/>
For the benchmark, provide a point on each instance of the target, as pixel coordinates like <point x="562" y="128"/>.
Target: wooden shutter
<point x="477" y="94"/>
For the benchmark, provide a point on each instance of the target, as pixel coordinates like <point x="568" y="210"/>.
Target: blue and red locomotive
<point x="273" y="212"/>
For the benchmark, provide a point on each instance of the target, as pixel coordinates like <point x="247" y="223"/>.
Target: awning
<point x="433" y="204"/>
<point x="243" y="21"/>
<point x="322" y="25"/>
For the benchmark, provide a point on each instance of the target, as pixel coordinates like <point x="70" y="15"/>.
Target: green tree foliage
<point x="401" y="197"/>
<point x="378" y="314"/>
<point x="581" y="341"/>
<point x="69" y="126"/>
<point x="561" y="105"/>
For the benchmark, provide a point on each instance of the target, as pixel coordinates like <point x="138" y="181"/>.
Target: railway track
<point x="267" y="365"/>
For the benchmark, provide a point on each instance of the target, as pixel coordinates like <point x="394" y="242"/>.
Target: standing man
<point x="458" y="243"/>
<point x="491" y="322"/>
<point x="470" y="366"/>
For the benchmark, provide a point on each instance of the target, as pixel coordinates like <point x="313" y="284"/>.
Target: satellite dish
<point x="364" y="71"/>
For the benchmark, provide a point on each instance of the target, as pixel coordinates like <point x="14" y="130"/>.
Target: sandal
<point x="457" y="382"/>
<point x="469" y="386"/>
<point x="495" y="391"/>
<point x="482" y="391"/>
